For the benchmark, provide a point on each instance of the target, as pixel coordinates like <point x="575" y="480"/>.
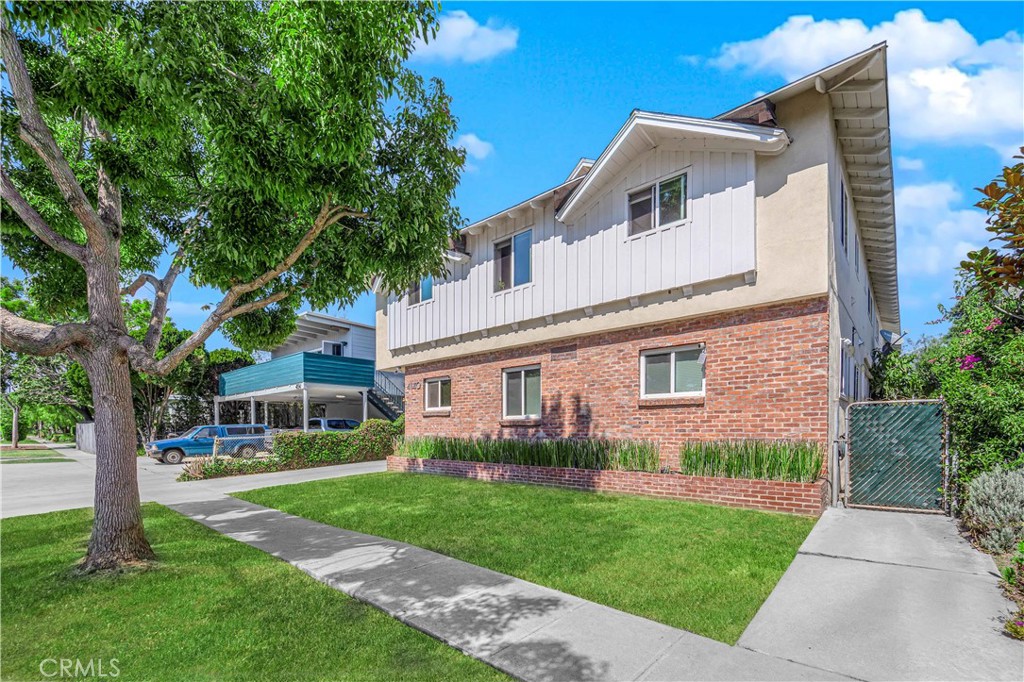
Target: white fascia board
<point x="323" y="318"/>
<point x="809" y="81"/>
<point x="759" y="138"/>
<point x="581" y="164"/>
<point x="478" y="226"/>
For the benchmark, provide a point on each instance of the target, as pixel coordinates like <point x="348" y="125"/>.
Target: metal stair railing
<point x="389" y="391"/>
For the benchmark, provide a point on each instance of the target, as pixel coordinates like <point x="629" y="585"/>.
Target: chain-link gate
<point x="897" y="454"/>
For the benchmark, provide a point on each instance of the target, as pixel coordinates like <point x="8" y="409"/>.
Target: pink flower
<point x="969" y="361"/>
<point x="931" y="361"/>
<point x="966" y="332"/>
<point x="993" y="324"/>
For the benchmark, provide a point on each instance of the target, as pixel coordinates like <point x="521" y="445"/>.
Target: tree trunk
<point x="118" y="538"/>
<point x="117" y="534"/>
<point x="15" y="431"/>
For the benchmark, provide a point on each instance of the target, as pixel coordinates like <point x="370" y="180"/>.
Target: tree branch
<point x="108" y="194"/>
<point x="36" y="134"/>
<point x="143" y="359"/>
<point x="36" y="338"/>
<point x="36" y="223"/>
<point x="140" y="281"/>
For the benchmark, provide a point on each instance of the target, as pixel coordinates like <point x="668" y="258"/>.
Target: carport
<point x="301" y="377"/>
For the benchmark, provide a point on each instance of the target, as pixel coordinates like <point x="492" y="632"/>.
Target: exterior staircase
<point x="387" y="396"/>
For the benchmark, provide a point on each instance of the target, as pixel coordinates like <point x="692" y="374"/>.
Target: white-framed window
<point x="512" y="261"/>
<point x="669" y="372"/>
<point x="437" y="394"/>
<point x="521" y="392"/>
<point x="422" y="291"/>
<point x="660" y="204"/>
<point x="849" y="374"/>
<point x="332" y="348"/>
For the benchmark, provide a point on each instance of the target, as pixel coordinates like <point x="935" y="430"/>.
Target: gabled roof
<point x="581" y="168"/>
<point x="857" y="89"/>
<point x="645" y="129"/>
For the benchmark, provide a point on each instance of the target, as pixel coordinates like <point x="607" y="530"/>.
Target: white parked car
<point x="319" y="424"/>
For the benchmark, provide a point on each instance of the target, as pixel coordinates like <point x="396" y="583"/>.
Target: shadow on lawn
<point x="486" y="614"/>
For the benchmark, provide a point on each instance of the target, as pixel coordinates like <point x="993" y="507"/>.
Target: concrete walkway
<point x="528" y="631"/>
<point x="890" y="596"/>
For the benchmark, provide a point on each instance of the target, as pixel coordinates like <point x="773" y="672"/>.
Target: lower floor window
<point x="438" y="393"/>
<point x="672" y="371"/>
<point x="522" y="392"/>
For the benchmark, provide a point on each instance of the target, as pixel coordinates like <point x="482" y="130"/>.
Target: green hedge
<point x="592" y="453"/>
<point x="373" y="440"/>
<point x="768" y="460"/>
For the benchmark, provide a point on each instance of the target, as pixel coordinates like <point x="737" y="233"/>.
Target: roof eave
<point x="760" y="138"/>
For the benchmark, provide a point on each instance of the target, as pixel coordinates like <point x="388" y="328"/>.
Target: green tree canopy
<point x="279" y="151"/>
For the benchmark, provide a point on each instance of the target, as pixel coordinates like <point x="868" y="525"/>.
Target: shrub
<point x="373" y="440"/>
<point x="994" y="511"/>
<point x="975" y="367"/>
<point x="769" y="460"/>
<point x="398" y="426"/>
<point x="591" y="453"/>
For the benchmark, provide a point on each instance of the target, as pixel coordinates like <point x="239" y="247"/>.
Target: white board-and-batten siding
<point x="593" y="260"/>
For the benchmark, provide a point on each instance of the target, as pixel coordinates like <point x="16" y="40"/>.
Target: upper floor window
<point x="332" y="348"/>
<point x="422" y="290"/>
<point x="437" y="394"/>
<point x="521" y="392"/>
<point x="659" y="205"/>
<point x="512" y="265"/>
<point x="672" y="372"/>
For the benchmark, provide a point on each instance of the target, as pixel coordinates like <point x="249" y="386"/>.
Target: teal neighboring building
<point x="325" y="368"/>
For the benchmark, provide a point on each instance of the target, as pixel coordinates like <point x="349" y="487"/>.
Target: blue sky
<point x="535" y="86"/>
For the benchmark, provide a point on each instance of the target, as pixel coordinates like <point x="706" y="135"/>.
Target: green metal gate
<point x="897" y="454"/>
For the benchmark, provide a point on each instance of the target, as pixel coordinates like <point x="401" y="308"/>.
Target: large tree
<point x="276" y="151"/>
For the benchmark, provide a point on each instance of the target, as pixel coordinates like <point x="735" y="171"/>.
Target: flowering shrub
<point x="977" y="367"/>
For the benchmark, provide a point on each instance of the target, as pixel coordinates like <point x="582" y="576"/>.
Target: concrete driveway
<point x="889" y="596"/>
<point x="45" y="487"/>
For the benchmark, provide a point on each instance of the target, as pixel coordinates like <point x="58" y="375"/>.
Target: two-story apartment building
<point x="700" y="279"/>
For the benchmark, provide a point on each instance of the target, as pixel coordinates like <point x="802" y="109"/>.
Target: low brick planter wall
<point x="807" y="499"/>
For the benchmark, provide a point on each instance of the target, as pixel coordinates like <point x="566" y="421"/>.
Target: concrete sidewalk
<point x="881" y="595"/>
<point x="528" y="631"/>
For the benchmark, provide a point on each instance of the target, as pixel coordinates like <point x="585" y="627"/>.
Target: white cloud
<point x="461" y="38"/>
<point x="944" y="86"/>
<point x="475" y="147"/>
<point x="933" y="236"/>
<point x="188" y="309"/>
<point x="908" y="164"/>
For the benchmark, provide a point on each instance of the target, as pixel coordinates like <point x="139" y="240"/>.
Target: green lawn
<point x="699" y="567"/>
<point x="214" y="609"/>
<point x="11" y="456"/>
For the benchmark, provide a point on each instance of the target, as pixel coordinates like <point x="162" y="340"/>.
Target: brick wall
<point x="766" y="377"/>
<point x="808" y="499"/>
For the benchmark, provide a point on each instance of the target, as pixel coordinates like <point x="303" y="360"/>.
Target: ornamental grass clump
<point x="768" y="460"/>
<point x="591" y="453"/>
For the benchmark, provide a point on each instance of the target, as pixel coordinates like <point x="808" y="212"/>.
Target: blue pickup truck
<point x="237" y="440"/>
